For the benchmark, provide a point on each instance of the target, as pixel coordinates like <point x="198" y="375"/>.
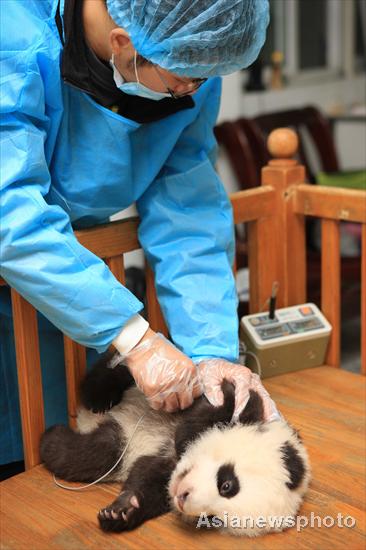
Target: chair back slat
<point x="257" y="141"/>
<point x="29" y="377"/>
<point x="321" y="132"/>
<point x="110" y="239"/>
<point x="331" y="286"/>
<point x="239" y="152"/>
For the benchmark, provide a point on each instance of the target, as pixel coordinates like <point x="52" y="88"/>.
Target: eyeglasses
<point x="191" y="86"/>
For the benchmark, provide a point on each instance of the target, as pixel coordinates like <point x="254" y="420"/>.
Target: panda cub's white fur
<point x="258" y="460"/>
<point x="256" y="453"/>
<point x="155" y="431"/>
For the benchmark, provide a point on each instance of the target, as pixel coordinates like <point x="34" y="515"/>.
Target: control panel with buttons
<point x="287" y="322"/>
<point x="295" y="337"/>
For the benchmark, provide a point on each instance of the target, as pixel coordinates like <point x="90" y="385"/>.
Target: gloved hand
<point x="213" y="371"/>
<point x="167" y="377"/>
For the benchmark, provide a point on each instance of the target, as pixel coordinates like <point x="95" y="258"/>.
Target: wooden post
<point x="277" y="248"/>
<point x="29" y="377"/>
<point x="363" y="302"/>
<point x="331" y="287"/>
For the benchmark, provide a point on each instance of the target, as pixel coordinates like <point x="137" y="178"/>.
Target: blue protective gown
<point x="67" y="160"/>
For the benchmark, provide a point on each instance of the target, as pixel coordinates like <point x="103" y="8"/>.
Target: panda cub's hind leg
<point x="144" y="495"/>
<point x="82" y="457"/>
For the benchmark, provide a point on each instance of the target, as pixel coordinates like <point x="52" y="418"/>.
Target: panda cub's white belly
<point x="154" y="434"/>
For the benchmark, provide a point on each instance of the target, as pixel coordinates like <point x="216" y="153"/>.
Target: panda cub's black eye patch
<point x="227" y="482"/>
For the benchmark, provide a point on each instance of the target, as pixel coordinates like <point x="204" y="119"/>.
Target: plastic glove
<point x="167" y="377"/>
<point x="214" y="371"/>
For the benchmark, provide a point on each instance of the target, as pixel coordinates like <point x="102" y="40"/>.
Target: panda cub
<point x="195" y="461"/>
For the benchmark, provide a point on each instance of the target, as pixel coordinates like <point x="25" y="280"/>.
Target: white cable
<point x="109" y="471"/>
<point x="259" y="372"/>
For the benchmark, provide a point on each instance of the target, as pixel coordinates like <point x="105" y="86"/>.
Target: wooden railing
<point x="332" y="206"/>
<point x="275" y="213"/>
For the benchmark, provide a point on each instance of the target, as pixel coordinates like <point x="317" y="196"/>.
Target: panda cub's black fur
<point x="191" y="461"/>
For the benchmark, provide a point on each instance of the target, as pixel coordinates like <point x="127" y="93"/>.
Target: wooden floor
<point x="326" y="404"/>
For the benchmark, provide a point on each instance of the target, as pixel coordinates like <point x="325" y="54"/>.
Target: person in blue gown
<point x="106" y="103"/>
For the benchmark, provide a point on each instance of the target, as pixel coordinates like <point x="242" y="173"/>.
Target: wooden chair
<point x="239" y="151"/>
<point x="245" y="142"/>
<point x="325" y="403"/>
<point x="236" y="146"/>
<point x="245" y="147"/>
<point x="246" y="167"/>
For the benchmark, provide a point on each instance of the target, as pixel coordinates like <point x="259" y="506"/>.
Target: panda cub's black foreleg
<point x="144" y="495"/>
<point x="103" y="386"/>
<point x="202" y="415"/>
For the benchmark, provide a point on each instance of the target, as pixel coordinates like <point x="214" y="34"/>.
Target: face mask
<point x="135" y="88"/>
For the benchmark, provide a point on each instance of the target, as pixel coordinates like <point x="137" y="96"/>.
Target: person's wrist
<point x="147" y="336"/>
<point x="131" y="333"/>
<point x="140" y="355"/>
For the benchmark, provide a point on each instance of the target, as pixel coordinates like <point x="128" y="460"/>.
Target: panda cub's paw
<point x="100" y="390"/>
<point x="123" y="514"/>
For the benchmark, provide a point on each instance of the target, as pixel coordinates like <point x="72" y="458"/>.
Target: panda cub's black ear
<point x="254" y="410"/>
<point x="294" y="465"/>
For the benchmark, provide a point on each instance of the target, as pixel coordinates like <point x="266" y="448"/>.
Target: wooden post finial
<point x="283" y="143"/>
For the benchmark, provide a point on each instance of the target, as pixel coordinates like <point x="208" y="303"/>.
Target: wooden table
<point x="326" y="404"/>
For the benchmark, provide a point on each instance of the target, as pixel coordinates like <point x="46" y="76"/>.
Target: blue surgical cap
<point x="196" y="38"/>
